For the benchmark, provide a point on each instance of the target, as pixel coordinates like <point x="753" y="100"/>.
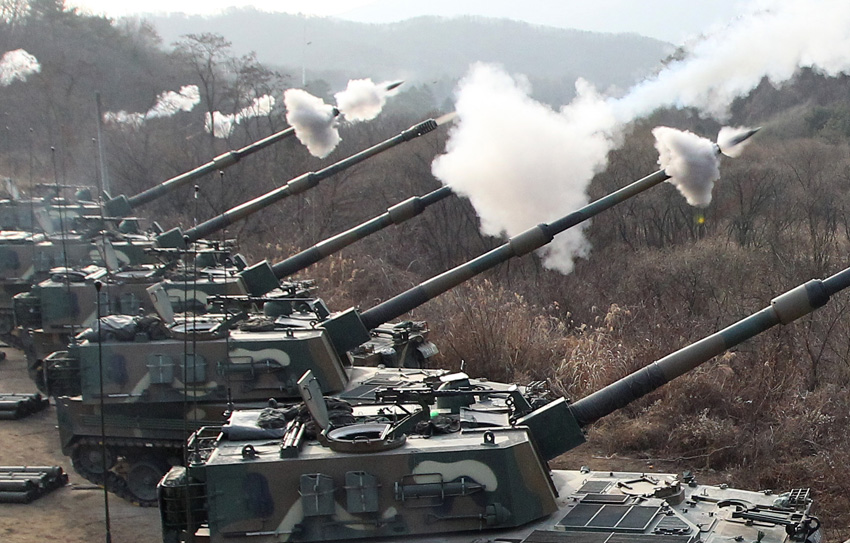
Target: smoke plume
<point x="17" y="64"/>
<point x="691" y="162"/>
<point x="521" y="162"/>
<point x="222" y="124"/>
<point x="314" y="121"/>
<point x="167" y="104"/>
<point x="362" y="100"/>
<point x="729" y="140"/>
<point x="317" y="124"/>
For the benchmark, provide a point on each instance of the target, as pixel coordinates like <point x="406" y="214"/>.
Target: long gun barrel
<point x="262" y="278"/>
<point x="570" y="419"/>
<point x="175" y="238"/>
<point x="121" y="206"/>
<point x="521" y="244"/>
<point x="783" y="309"/>
<point x="394" y="215"/>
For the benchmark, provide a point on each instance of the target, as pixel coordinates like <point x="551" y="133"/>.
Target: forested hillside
<point x="431" y="50"/>
<point x="659" y="274"/>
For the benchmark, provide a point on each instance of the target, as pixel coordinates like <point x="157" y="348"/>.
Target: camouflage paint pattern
<point x="248" y="365"/>
<point x="161" y="423"/>
<point x="468" y="481"/>
<point x="55" y="310"/>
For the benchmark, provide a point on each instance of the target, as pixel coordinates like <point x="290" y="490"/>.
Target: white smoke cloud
<point x="317" y="124"/>
<point x="224" y="123"/>
<point x="729" y="140"/>
<point x="521" y="163"/>
<point x="124" y="118"/>
<point x="691" y="161"/>
<point x="314" y="121"/>
<point x="167" y="104"/>
<point x="220" y="124"/>
<point x="774" y="39"/>
<point x="362" y="100"/>
<point x="17" y="65"/>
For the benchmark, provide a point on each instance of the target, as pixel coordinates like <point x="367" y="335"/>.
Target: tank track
<point x="127" y="455"/>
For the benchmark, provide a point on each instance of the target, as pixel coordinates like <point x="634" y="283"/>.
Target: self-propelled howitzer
<point x="27" y="258"/>
<point x="473" y="469"/>
<point x="59" y="306"/>
<point x="237" y="360"/>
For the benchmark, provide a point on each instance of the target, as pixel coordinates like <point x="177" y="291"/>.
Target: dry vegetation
<point x="771" y="414"/>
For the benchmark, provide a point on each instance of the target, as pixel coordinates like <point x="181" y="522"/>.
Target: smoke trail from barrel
<point x="729" y="140"/>
<point x="315" y="122"/>
<point x="362" y="100"/>
<point x="167" y="104"/>
<point x="691" y="161"/>
<point x="17" y="65"/>
<point x="521" y="162"/>
<point x="222" y="124"/>
<point x="773" y="39"/>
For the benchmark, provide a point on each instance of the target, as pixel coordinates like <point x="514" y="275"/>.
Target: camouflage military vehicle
<point x="52" y="319"/>
<point x="236" y="285"/>
<point x="462" y="463"/>
<point x="28" y="257"/>
<point x="56" y="309"/>
<point x="44" y="214"/>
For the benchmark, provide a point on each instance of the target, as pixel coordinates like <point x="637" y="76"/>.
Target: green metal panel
<point x="554" y="429"/>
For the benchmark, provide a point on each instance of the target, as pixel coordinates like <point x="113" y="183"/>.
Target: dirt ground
<point x="75" y="513"/>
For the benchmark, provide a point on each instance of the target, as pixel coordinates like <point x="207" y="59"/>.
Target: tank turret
<point x="452" y="459"/>
<point x="177" y="238"/>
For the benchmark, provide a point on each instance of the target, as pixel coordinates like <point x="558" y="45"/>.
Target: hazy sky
<point x="669" y="20"/>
